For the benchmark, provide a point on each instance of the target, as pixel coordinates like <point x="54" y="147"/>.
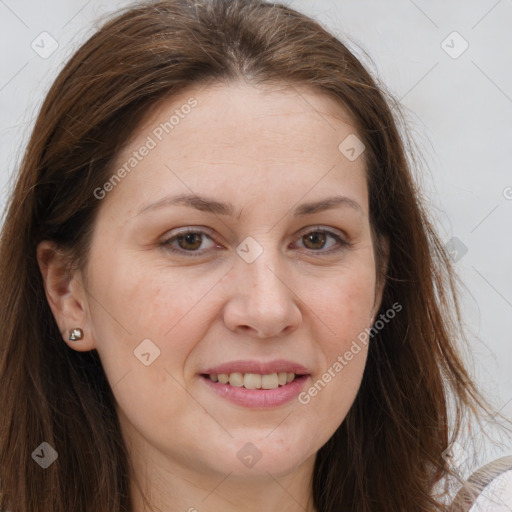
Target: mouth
<point x="259" y="385"/>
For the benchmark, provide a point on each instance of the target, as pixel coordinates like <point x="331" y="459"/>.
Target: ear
<point x="383" y="251"/>
<point x="66" y="295"/>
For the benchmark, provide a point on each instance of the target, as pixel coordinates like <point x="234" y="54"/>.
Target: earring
<point x="76" y="334"/>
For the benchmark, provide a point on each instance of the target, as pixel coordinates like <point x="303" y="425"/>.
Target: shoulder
<point x="490" y="486"/>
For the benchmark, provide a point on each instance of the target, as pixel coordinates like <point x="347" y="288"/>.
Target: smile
<point x="253" y="384"/>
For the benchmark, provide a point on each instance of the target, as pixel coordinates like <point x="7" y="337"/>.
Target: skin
<point x="266" y="150"/>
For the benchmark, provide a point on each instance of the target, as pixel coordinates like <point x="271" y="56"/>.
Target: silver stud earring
<point x="76" y="334"/>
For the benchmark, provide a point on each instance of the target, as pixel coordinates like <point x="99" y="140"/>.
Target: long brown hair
<point x="387" y="454"/>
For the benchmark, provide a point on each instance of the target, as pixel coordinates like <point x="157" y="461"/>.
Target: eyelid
<point x="323" y="229"/>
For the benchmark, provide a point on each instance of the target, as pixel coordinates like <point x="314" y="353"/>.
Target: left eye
<point x="319" y="237"/>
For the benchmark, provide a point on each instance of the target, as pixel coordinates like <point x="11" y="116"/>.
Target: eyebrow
<point x="209" y="205"/>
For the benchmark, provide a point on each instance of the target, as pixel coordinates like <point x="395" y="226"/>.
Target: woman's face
<point x="277" y="279"/>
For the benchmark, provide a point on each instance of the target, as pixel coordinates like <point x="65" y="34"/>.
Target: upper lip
<point x="263" y="368"/>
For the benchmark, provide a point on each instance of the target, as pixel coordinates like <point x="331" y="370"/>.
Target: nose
<point x="262" y="302"/>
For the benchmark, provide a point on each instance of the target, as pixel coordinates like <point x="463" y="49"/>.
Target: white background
<point x="459" y="111"/>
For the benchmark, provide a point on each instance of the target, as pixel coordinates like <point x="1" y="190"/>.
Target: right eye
<point x="187" y="241"/>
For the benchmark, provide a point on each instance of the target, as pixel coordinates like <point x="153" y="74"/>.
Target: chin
<point x="258" y="452"/>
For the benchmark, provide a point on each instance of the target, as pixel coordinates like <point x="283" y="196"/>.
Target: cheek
<point x="344" y="310"/>
<point x="344" y="304"/>
<point x="138" y="305"/>
<point x="136" y="302"/>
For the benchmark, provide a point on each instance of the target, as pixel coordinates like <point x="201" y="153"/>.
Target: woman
<point x="220" y="289"/>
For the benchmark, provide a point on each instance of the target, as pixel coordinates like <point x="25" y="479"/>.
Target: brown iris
<point x="316" y="238"/>
<point x="192" y="240"/>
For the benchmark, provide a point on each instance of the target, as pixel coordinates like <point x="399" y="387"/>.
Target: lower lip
<point x="258" y="398"/>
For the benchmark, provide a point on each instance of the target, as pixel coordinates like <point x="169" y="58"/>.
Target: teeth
<point x="254" y="380"/>
<point x="236" y="379"/>
<point x="269" y="381"/>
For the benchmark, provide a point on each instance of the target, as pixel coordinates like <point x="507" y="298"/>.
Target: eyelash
<point x="167" y="242"/>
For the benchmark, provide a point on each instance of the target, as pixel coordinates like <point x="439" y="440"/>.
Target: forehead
<point x="243" y="139"/>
